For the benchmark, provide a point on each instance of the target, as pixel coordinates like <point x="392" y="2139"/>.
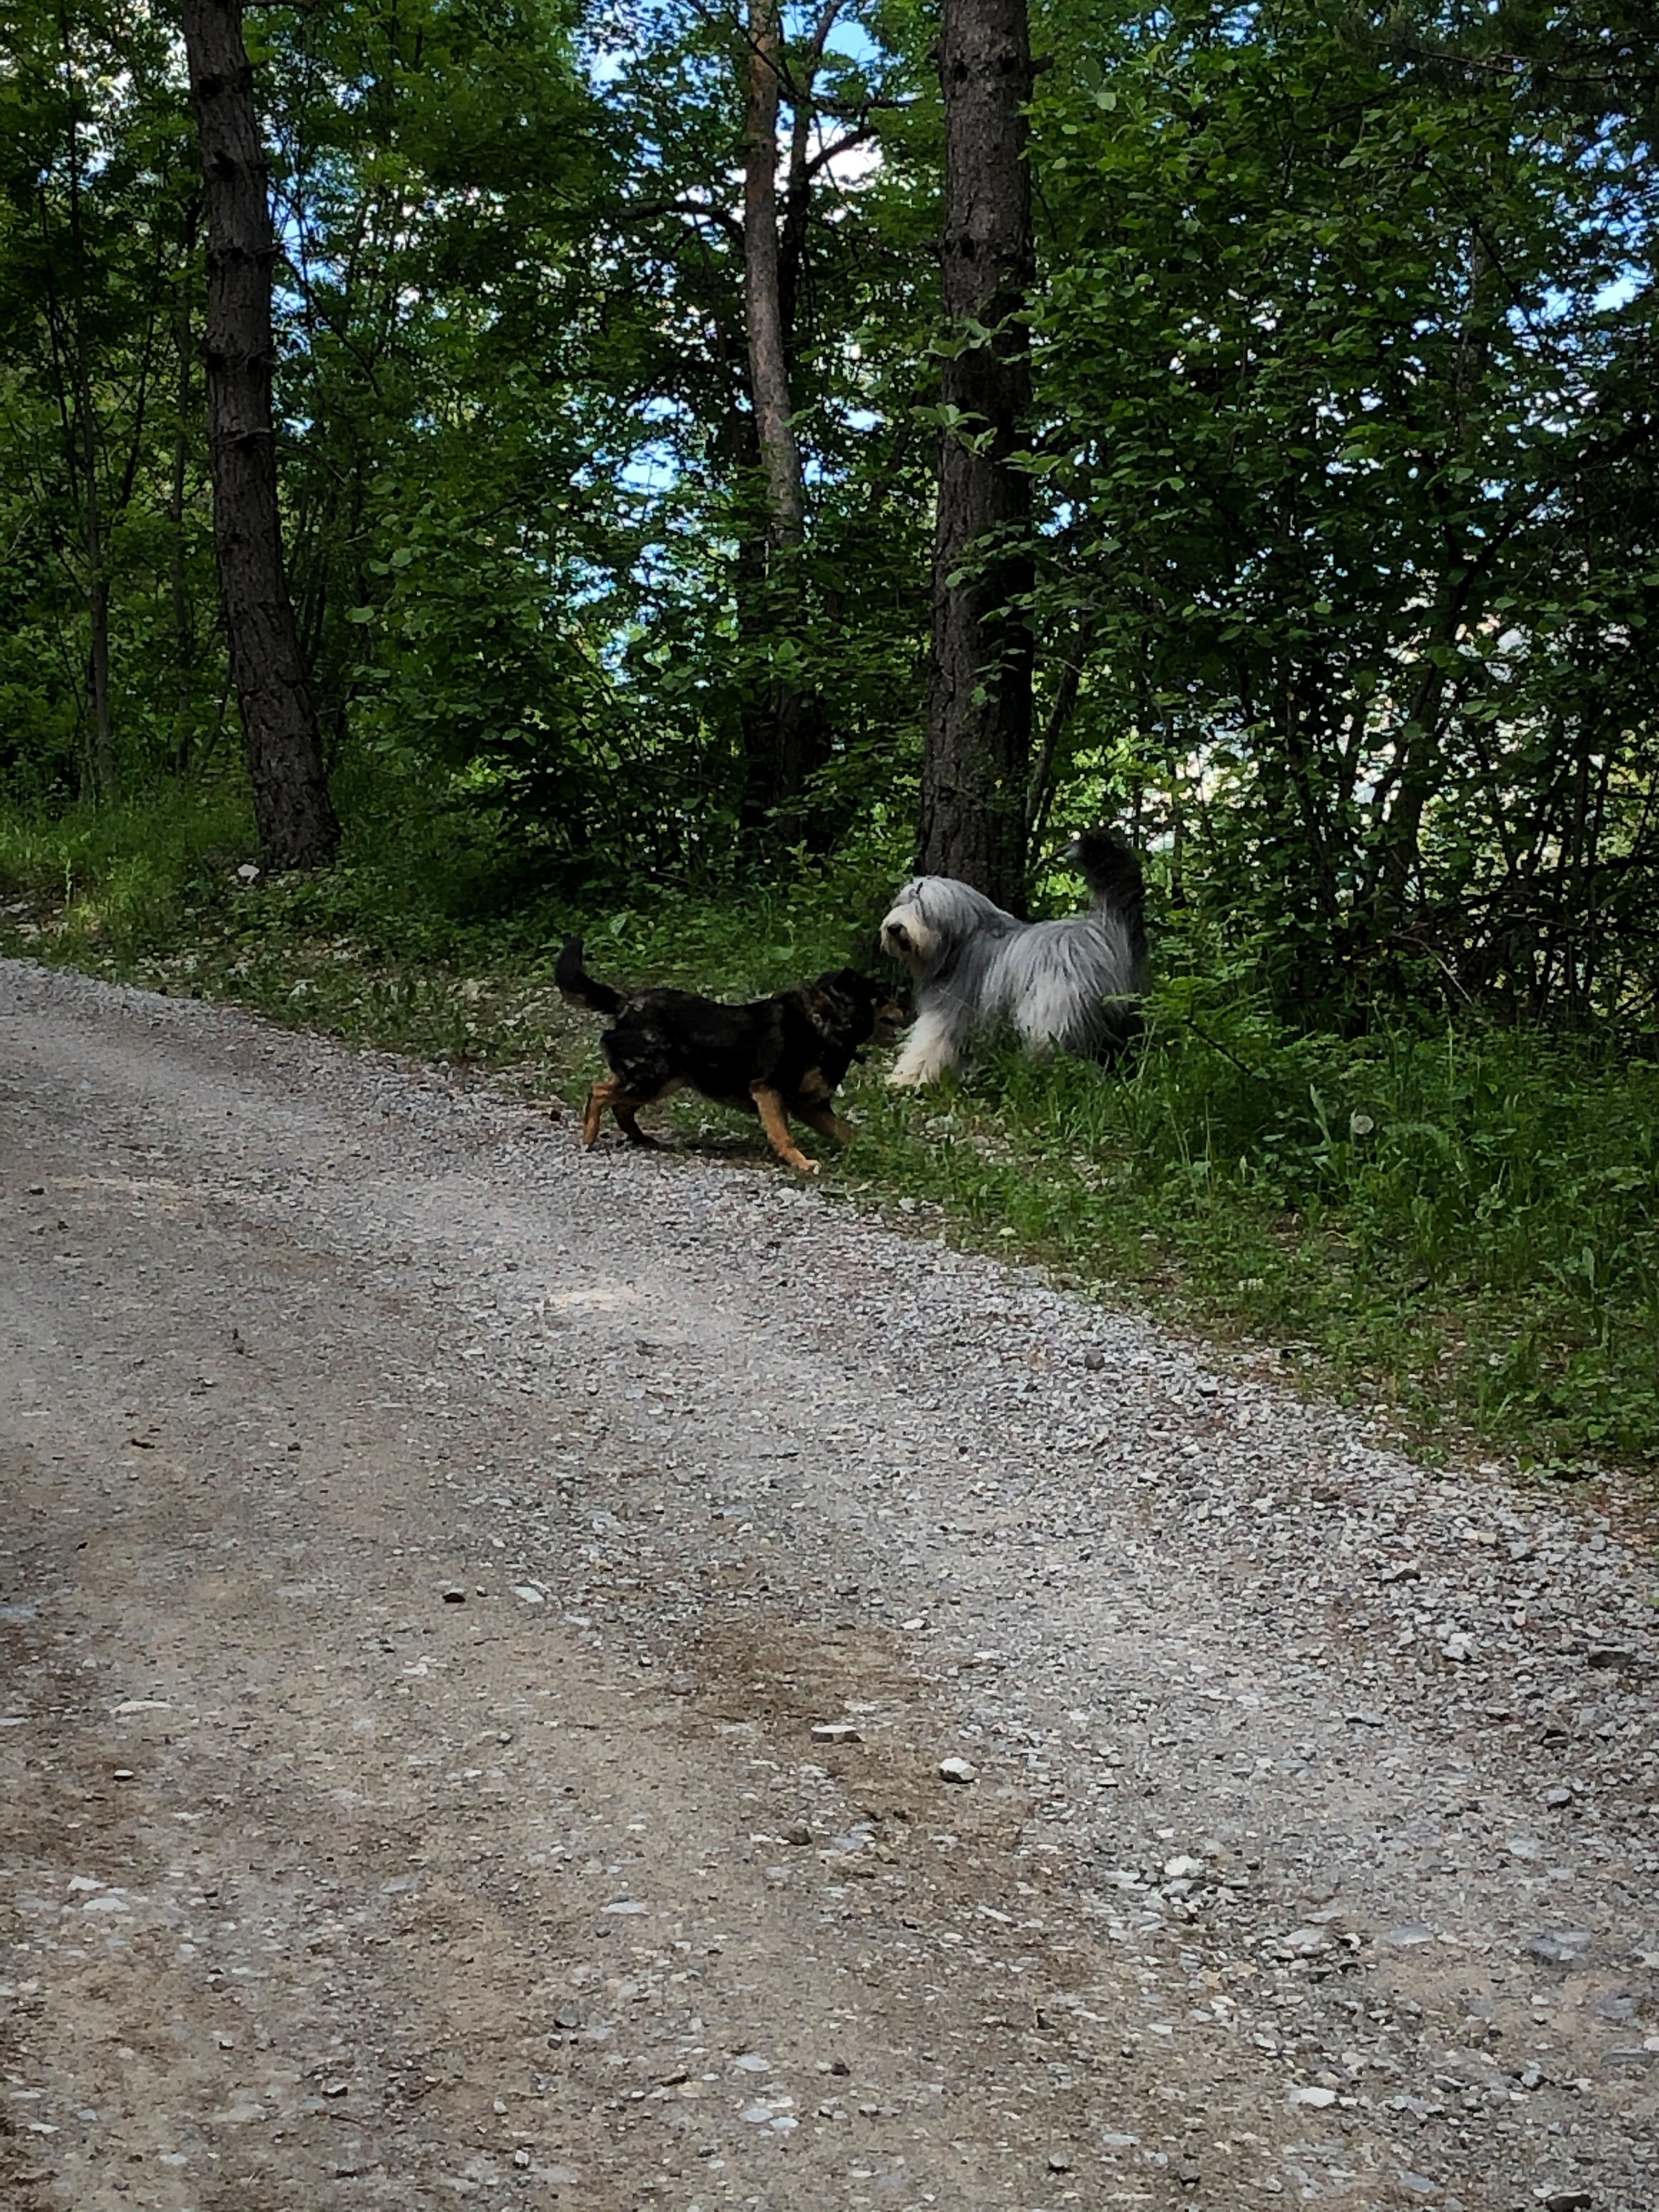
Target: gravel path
<point x="604" y="1681"/>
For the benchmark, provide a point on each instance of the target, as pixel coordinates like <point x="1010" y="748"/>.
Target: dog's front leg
<point x="828" y="1123"/>
<point x="768" y="1105"/>
<point x="812" y="1103"/>
<point x="928" y="1050"/>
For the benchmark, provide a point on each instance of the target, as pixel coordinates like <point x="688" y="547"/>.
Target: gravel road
<point x="605" y="1681"/>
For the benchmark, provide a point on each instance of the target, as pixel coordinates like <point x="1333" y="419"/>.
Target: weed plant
<point x="1454" y="1224"/>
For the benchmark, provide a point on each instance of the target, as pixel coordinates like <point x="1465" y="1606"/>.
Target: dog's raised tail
<point x="578" y="988"/>
<point x="1109" y="865"/>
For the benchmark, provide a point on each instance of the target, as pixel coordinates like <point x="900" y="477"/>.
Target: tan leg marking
<point x="592" y="1113"/>
<point x="769" y="1106"/>
<point x="622" y="1105"/>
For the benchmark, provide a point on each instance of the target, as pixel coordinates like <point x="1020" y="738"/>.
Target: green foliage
<point x="103" y="524"/>
<point x="1369" y="594"/>
<point x="1343" y="347"/>
<point x="119" y="882"/>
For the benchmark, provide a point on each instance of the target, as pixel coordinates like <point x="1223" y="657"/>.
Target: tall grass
<point x="1455" y="1224"/>
<point x="120" y="878"/>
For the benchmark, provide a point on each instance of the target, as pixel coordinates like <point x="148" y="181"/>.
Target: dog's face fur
<point x="907" y="934"/>
<point x="932" y="917"/>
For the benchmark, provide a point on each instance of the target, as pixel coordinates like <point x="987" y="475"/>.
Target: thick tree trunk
<point x="296" y="820"/>
<point x="976" y="771"/>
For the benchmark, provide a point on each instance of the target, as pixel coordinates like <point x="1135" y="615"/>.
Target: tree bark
<point x="99" y="775"/>
<point x="296" y="821"/>
<point x="103" y="740"/>
<point x="768" y="370"/>
<point x="976" y="769"/>
<point x="183" y="621"/>
<point x="794" y="719"/>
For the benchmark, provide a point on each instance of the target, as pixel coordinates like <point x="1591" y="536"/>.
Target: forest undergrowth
<point x="1447" y="1225"/>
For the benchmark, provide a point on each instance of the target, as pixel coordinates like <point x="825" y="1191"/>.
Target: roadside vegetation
<point x="1451" y="1223"/>
<point x="662" y="470"/>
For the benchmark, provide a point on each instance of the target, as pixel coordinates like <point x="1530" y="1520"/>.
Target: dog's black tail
<point x="1109" y="865"/>
<point x="580" y="988"/>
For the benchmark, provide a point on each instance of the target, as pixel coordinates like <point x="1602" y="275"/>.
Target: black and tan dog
<point x="774" y="1057"/>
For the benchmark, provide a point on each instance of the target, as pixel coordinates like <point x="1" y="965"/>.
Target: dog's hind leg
<point x="592" y="1113"/>
<point x="768" y="1105"/>
<point x="614" y="1095"/>
<point x="624" y="1109"/>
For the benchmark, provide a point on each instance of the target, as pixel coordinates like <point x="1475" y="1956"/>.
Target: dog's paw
<point x="805" y="1166"/>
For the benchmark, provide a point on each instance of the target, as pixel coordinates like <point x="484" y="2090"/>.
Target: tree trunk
<point x="976" y="769"/>
<point x="1419" y="746"/>
<point x="103" y="741"/>
<point x="296" y="821"/>
<point x="1041" y="796"/>
<point x="769" y="371"/>
<point x="98" y="781"/>
<point x="183" y="624"/>
<point x="794" y="721"/>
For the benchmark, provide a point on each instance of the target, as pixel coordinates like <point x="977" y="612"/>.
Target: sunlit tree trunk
<point x="769" y="368"/>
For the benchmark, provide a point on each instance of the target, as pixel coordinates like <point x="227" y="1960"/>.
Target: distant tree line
<point x="707" y="430"/>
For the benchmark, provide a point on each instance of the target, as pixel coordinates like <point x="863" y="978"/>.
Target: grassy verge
<point x="1455" y="1229"/>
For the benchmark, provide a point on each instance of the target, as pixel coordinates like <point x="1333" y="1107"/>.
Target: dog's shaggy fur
<point x="774" y="1057"/>
<point x="1071" y="984"/>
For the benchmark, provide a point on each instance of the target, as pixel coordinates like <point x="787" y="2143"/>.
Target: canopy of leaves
<point x="1343" y="345"/>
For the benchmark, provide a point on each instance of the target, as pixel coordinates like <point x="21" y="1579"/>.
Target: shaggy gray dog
<point x="1071" y="984"/>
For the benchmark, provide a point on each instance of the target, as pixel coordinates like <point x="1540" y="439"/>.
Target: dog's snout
<point x="895" y="936"/>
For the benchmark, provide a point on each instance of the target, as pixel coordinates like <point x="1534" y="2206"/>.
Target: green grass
<point x="1458" y="1230"/>
<point x="1455" y="1227"/>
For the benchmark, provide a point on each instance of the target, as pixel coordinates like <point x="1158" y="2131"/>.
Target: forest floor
<point x="485" y="1628"/>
